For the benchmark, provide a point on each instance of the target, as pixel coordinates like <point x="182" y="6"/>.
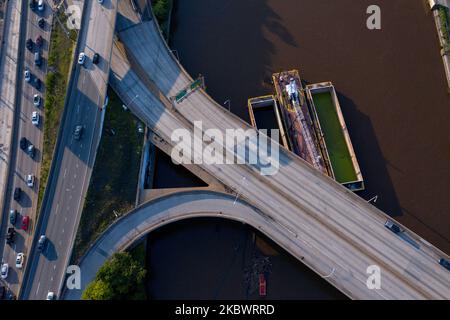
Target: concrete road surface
<point x="330" y="229"/>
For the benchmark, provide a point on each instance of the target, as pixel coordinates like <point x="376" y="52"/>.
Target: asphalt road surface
<point x="21" y="163"/>
<point x="74" y="158"/>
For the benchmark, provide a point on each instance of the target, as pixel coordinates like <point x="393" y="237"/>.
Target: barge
<point x="333" y="136"/>
<point x="262" y="111"/>
<point x="299" y="126"/>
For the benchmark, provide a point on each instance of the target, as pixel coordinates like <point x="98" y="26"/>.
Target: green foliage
<point x="59" y="62"/>
<point x="120" y="278"/>
<point x="161" y="10"/>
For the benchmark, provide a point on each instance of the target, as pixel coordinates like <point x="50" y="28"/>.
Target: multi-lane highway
<point x="22" y="164"/>
<point x="330" y="229"/>
<point x="74" y="159"/>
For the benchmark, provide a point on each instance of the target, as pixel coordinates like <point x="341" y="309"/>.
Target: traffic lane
<point x="67" y="198"/>
<point x="100" y="42"/>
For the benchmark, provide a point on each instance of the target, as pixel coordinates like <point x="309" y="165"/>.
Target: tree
<point x="121" y="277"/>
<point x="98" y="290"/>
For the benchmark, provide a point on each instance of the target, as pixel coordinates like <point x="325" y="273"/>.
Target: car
<point x="81" y="58"/>
<point x="41" y="5"/>
<point x="37" y="59"/>
<point x="37" y="83"/>
<point x="10" y="235"/>
<point x="2" y="292"/>
<point x="19" y="260"/>
<point x="30" y="180"/>
<point x="37" y="100"/>
<point x="4" y="271"/>
<point x="96" y="58"/>
<point x="41" y="243"/>
<point x="35" y="118"/>
<point x="17" y="193"/>
<point x="445" y="263"/>
<point x="25" y="223"/>
<point x="41" y="23"/>
<point x="100" y="1"/>
<point x="392" y="226"/>
<point x="29" y="44"/>
<point x="32" y="4"/>
<point x="78" y="132"/>
<point x="31" y="151"/>
<point x="12" y="216"/>
<point x="39" y="40"/>
<point x="27" y="75"/>
<point x="23" y="143"/>
<point x="51" y="295"/>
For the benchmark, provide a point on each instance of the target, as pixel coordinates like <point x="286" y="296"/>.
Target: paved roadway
<point x="74" y="159"/>
<point x="154" y="214"/>
<point x="22" y="164"/>
<point x="330" y="229"/>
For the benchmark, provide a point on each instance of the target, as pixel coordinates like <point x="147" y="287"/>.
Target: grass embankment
<point x="445" y="23"/>
<point x="162" y="10"/>
<point x="59" y="65"/>
<point x="112" y="190"/>
<point x="334" y="138"/>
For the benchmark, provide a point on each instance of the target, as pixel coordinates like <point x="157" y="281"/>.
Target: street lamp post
<point x="228" y="104"/>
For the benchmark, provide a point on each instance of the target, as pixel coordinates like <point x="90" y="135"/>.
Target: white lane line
<point x="54" y="267"/>
<point x="38" y="286"/>
<point x="65" y="172"/>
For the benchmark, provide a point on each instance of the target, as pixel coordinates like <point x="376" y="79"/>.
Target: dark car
<point x="392" y="226"/>
<point x="445" y="263"/>
<point x="10" y="235"/>
<point x="23" y="143"/>
<point x="41" y="243"/>
<point x="96" y="58"/>
<point x="29" y="44"/>
<point x="39" y="41"/>
<point x="32" y="4"/>
<point x="41" y="23"/>
<point x="78" y="132"/>
<point x="37" y="83"/>
<point x="37" y="59"/>
<point x="12" y="216"/>
<point x="17" y="193"/>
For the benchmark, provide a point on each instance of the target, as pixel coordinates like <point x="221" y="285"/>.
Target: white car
<point x="30" y="180"/>
<point x="41" y="5"/>
<point x="100" y="1"/>
<point x="81" y="58"/>
<point x="37" y="100"/>
<point x="51" y="295"/>
<point x="35" y="117"/>
<point x="4" y="271"/>
<point x="19" y="260"/>
<point x="27" y="75"/>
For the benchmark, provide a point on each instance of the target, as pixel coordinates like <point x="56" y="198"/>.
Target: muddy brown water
<point x="391" y="85"/>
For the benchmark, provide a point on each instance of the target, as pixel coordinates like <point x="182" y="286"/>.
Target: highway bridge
<point x="328" y="227"/>
<point x="324" y="225"/>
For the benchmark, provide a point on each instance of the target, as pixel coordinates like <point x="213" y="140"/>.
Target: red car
<point x="262" y="285"/>
<point x="39" y="41"/>
<point x="25" y="222"/>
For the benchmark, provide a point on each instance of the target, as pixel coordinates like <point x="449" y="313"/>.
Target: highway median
<point x="59" y="63"/>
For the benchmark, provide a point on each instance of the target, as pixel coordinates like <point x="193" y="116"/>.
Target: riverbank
<point x="442" y="19"/>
